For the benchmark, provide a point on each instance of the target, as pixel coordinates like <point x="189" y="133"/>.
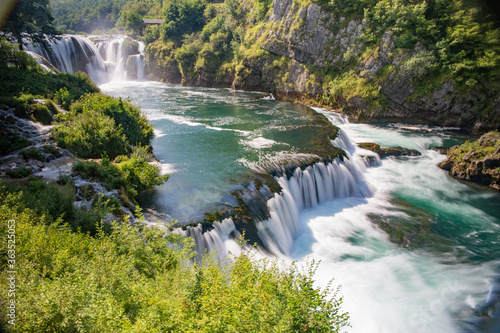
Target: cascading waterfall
<point x="103" y="61"/>
<point x="126" y="67"/>
<point x="46" y="65"/>
<point x="217" y="239"/>
<point x="306" y="189"/>
<point x="71" y="54"/>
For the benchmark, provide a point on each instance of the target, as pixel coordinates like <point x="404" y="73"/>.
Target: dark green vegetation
<point x="54" y="203"/>
<point x="477" y="161"/>
<point x="135" y="279"/>
<point x="30" y="20"/>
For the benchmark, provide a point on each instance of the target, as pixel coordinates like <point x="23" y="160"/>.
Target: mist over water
<point x="208" y="138"/>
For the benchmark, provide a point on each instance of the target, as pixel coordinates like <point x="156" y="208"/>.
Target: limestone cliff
<point x="375" y="71"/>
<point x="313" y="38"/>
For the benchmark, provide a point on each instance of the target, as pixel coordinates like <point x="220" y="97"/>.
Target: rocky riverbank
<point x="337" y="56"/>
<point x="477" y="161"/>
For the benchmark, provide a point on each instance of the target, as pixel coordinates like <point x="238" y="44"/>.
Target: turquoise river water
<point x="208" y="138"/>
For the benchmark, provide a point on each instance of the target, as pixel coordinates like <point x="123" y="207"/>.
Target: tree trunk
<point x="20" y="41"/>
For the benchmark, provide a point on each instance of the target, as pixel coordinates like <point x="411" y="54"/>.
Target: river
<point x="441" y="275"/>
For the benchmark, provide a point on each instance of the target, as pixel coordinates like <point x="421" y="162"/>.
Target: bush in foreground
<point x="138" y="280"/>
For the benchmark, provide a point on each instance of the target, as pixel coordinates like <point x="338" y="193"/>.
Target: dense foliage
<point x="132" y="175"/>
<point x="98" y="15"/>
<point x="55" y="203"/>
<point x="29" y="20"/>
<point x="136" y="279"/>
<point x="99" y="125"/>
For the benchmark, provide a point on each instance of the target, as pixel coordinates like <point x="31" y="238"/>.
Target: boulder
<point x="477" y="161"/>
<point x="388" y="151"/>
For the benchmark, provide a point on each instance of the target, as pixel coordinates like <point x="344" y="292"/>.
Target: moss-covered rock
<point x="388" y="151"/>
<point x="477" y="161"/>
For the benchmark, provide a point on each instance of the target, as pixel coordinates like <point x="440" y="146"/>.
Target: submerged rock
<point x="477" y="161"/>
<point x="388" y="151"/>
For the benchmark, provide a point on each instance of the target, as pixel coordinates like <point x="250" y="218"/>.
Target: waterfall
<point x="302" y="189"/>
<point x="306" y="189"/>
<point x="46" y="65"/>
<point x="103" y="61"/>
<point x="126" y="66"/>
<point x="212" y="240"/>
<point x="71" y="54"/>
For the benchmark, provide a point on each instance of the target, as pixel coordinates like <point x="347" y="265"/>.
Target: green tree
<point x="182" y="18"/>
<point x="134" y="22"/>
<point x="30" y="20"/>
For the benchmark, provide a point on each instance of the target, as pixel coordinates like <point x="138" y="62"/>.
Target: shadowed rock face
<point x="478" y="161"/>
<point x="311" y="36"/>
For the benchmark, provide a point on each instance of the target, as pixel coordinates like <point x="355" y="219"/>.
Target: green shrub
<point x="109" y="204"/>
<point x="109" y="175"/>
<point x="51" y="106"/>
<point x="91" y="135"/>
<point x="421" y="64"/>
<point x="11" y="141"/>
<point x="18" y="172"/>
<point x="20" y="108"/>
<point x="41" y="113"/>
<point x="33" y="153"/>
<point x="134" y="174"/>
<point x="56" y="204"/>
<point x="52" y="150"/>
<point x="134" y="125"/>
<point x="63" y="98"/>
<point x="152" y="33"/>
<point x="350" y="85"/>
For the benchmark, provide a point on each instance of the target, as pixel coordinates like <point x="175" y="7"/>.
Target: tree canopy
<point x="31" y="20"/>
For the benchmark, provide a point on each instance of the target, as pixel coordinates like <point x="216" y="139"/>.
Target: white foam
<point x="261" y="142"/>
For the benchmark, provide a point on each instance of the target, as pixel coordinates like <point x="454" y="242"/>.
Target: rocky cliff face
<point x="312" y="38"/>
<point x="301" y="49"/>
